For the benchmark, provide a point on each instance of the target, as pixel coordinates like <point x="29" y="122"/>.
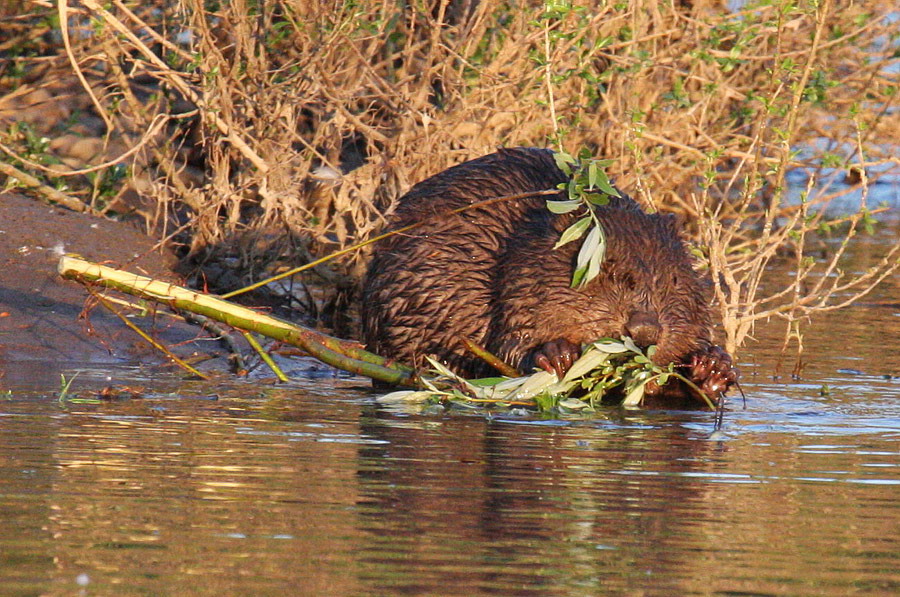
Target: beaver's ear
<point x="670" y="221"/>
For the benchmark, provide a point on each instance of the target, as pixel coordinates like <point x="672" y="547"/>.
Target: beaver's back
<point x="490" y="274"/>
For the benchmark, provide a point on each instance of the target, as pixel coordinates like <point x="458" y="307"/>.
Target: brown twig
<point x="47" y="191"/>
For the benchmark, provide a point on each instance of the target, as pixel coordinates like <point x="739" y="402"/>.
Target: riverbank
<point x="43" y="317"/>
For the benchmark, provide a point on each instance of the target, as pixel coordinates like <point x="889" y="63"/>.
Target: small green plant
<point x="65" y="395"/>
<point x="64" y="386"/>
<point x="107" y="183"/>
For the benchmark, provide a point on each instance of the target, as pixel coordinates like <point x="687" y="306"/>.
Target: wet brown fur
<point x="491" y="274"/>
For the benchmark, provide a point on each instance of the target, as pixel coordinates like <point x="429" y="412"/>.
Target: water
<point x="325" y="493"/>
<point x="312" y="489"/>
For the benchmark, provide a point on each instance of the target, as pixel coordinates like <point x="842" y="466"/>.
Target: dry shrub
<point x="292" y="127"/>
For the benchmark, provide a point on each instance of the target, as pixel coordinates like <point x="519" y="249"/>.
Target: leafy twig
<point x="588" y="187"/>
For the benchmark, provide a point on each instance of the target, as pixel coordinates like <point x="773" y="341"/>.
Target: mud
<point x="42" y="317"/>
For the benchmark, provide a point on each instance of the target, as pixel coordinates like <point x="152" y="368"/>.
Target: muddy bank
<point x="41" y="315"/>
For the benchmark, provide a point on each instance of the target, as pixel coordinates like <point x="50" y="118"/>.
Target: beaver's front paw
<point x="713" y="371"/>
<point x="556" y="356"/>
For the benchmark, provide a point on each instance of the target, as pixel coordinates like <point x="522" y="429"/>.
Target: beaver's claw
<point x="713" y="371"/>
<point x="557" y="356"/>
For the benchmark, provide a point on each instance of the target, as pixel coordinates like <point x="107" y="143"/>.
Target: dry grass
<point x="285" y="130"/>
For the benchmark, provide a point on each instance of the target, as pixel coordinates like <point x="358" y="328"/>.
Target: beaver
<point x="490" y="274"/>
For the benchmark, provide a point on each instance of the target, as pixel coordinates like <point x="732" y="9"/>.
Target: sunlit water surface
<point x="313" y="489"/>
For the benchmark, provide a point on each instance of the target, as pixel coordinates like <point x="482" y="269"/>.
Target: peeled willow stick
<point x="333" y="351"/>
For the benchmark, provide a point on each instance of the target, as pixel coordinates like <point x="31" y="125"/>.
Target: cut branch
<point x="333" y="351"/>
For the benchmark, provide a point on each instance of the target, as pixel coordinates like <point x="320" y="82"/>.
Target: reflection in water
<point x="194" y="496"/>
<point x="330" y="495"/>
<point x="501" y="505"/>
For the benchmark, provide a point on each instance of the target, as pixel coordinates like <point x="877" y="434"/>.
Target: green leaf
<point x="573" y="404"/>
<point x="534" y="385"/>
<point x="590" y="256"/>
<point x="635" y="396"/>
<point x="563" y="207"/>
<point x="593" y="269"/>
<point x="590" y="360"/>
<point x="578" y="276"/>
<point x="487" y="381"/>
<point x="610" y="347"/>
<point x="588" y="247"/>
<point x="630" y="345"/>
<point x="599" y="199"/>
<point x="405" y="396"/>
<point x="573" y="232"/>
<point x="441" y="368"/>
<point x="564" y="161"/>
<point x="604" y="185"/>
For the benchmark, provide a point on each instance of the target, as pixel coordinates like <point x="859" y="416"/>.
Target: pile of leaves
<point x="608" y="372"/>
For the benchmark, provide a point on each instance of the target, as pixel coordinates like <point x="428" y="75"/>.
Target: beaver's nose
<point x="643" y="327"/>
